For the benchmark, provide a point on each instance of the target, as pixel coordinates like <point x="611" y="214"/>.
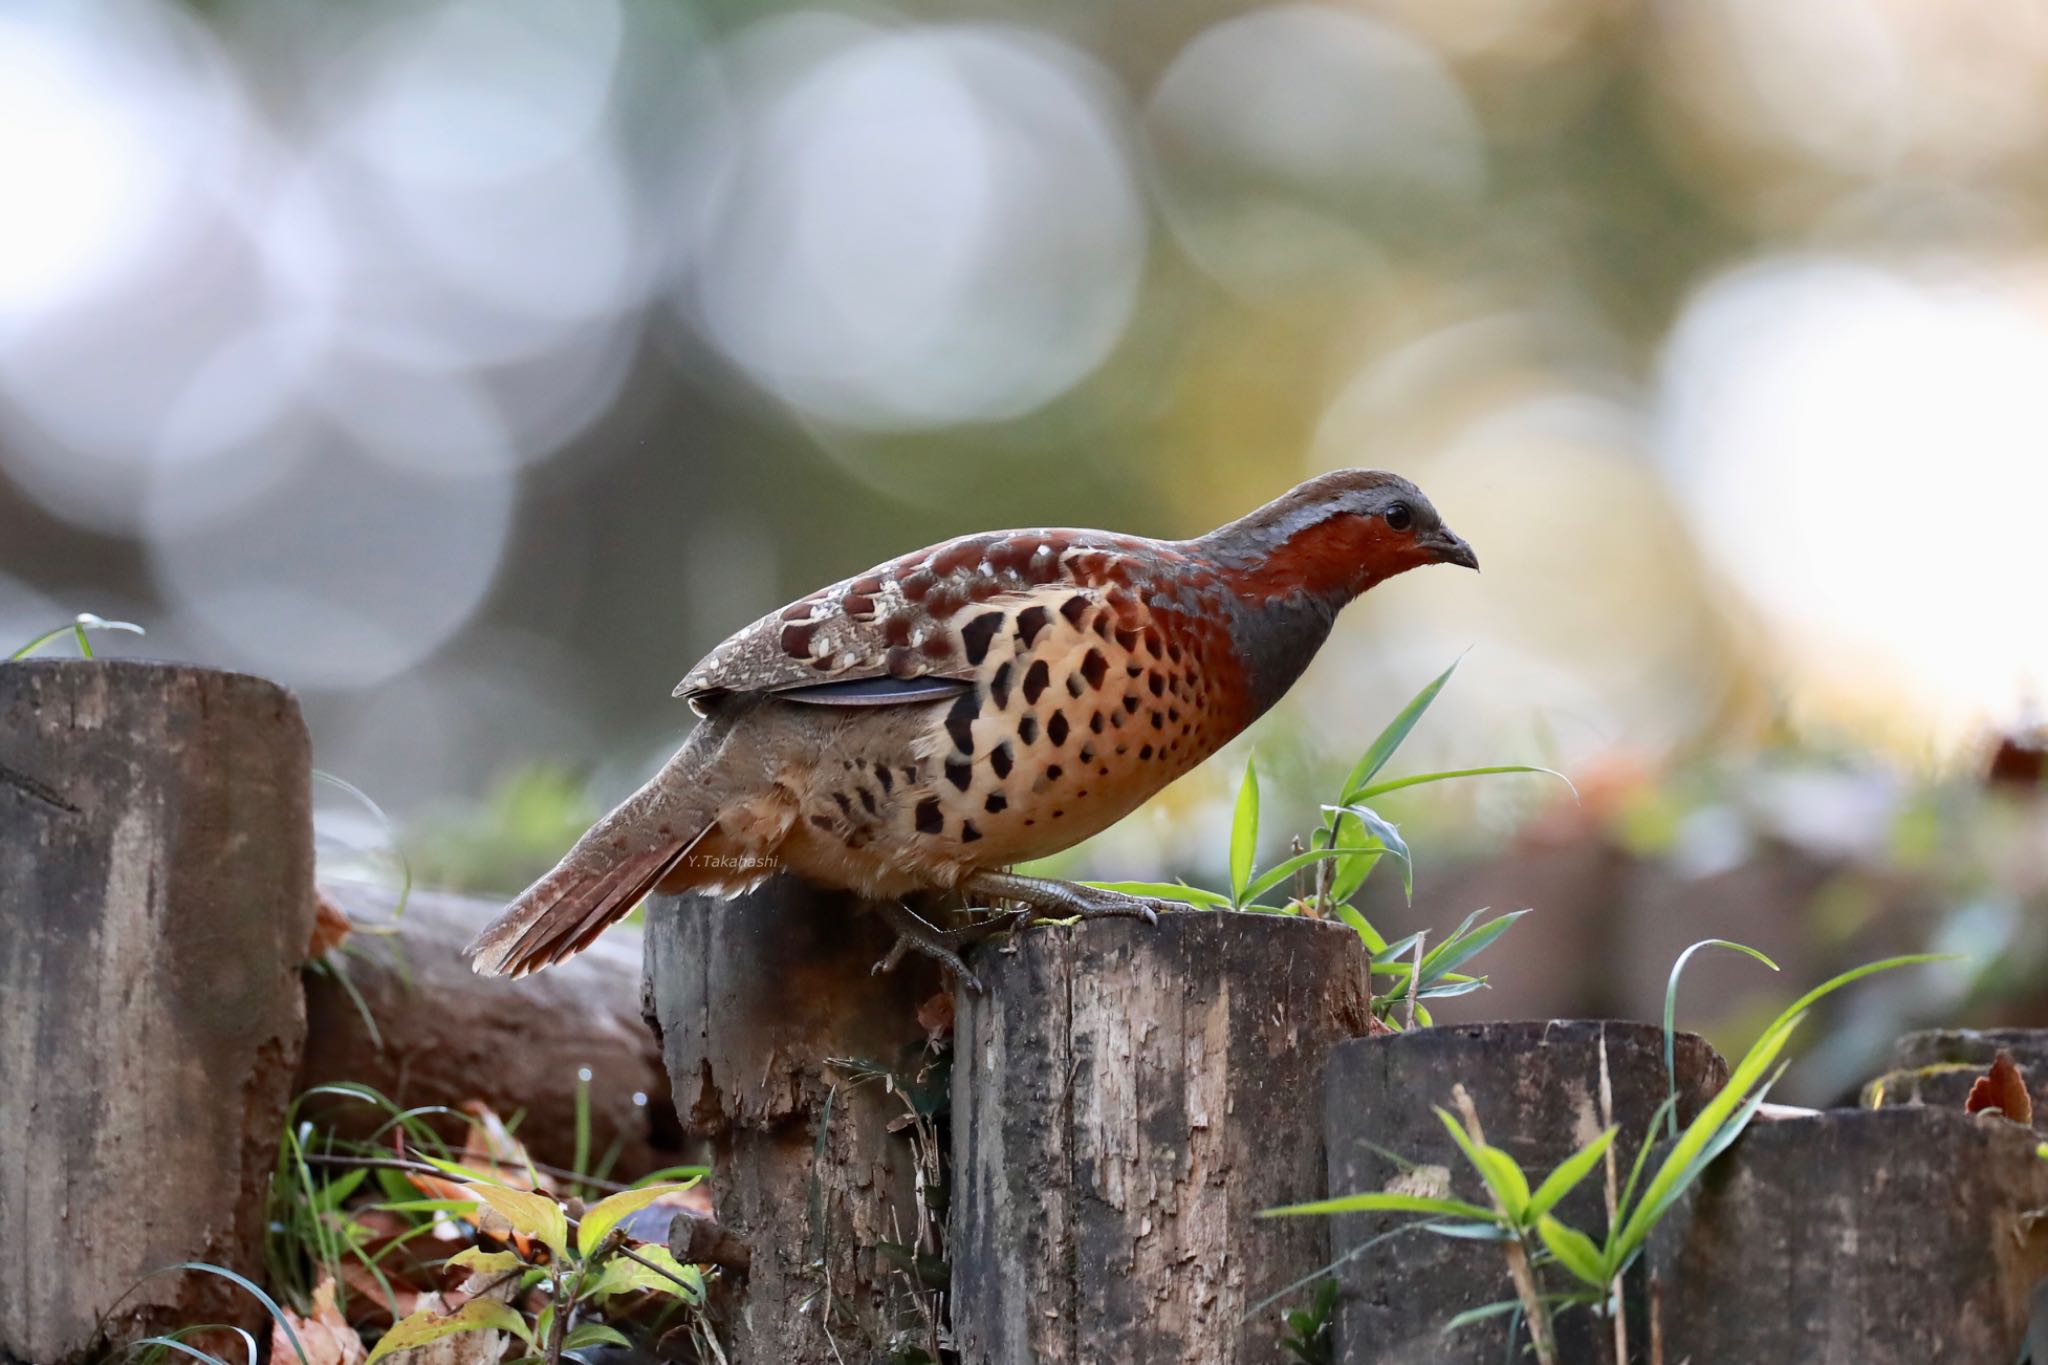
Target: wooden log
<point x="1858" y="1237"/>
<point x="156" y="901"/>
<point x="1126" y="1099"/>
<point x="439" y="1034"/>
<point x="778" y="1040"/>
<point x="1537" y="1090"/>
<point x="1937" y="1067"/>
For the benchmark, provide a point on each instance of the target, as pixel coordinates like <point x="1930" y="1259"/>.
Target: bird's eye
<point x="1400" y="516"/>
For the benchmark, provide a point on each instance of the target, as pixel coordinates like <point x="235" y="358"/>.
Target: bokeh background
<point x="473" y="366"/>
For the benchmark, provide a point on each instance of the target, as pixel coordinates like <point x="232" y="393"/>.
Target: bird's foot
<point x="1049" y="899"/>
<point x="945" y="946"/>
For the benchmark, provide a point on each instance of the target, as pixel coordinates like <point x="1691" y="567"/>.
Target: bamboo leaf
<point x="1569" y="1173"/>
<point x="1244" y="832"/>
<point x="1382" y="748"/>
<point x="1671" y="1014"/>
<point x="1420" y="779"/>
<point x="1575" y="1251"/>
<point x="1383" y="1202"/>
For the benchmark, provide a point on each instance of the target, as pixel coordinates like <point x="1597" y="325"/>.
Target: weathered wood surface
<point x="1859" y="1237"/>
<point x="1537" y="1090"/>
<point x="753" y="1000"/>
<point x="1126" y="1100"/>
<point x="1937" y="1067"/>
<point x="444" y="1035"/>
<point x="156" y="884"/>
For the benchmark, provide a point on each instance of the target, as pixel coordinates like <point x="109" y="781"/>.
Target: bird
<point x="929" y="724"/>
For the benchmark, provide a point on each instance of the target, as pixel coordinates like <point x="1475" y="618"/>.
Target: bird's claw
<point x="943" y="946"/>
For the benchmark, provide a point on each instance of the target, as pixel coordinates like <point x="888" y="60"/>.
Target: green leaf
<point x="1483" y="1313"/>
<point x="76" y="628"/>
<point x="1569" y="1173"/>
<point x="1383" y="1202"/>
<point x="1574" y="1250"/>
<point x="1395" y="954"/>
<point x="1382" y="748"/>
<point x="1168" y="891"/>
<point x="1502" y="1174"/>
<point x="1244" y="833"/>
<point x="1420" y="779"/>
<point x="1455" y="951"/>
<point x="476" y="1315"/>
<point x="1362" y="856"/>
<point x="1363" y="928"/>
<point x="595" y="1334"/>
<point x="536" y="1215"/>
<point x="1281" y="871"/>
<point x="481" y="1262"/>
<point x="660" y="1272"/>
<point x="329" y="1196"/>
<point x="602" y="1217"/>
<point x="1389" y="837"/>
<point x="1671" y="1013"/>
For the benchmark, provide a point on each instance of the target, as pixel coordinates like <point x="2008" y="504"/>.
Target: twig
<point x="1517" y="1251"/>
<point x="1613" y="1203"/>
<point x="1656" y="1320"/>
<point x="1415" y="978"/>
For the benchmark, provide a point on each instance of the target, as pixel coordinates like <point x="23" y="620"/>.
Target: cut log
<point x="156" y="899"/>
<point x="1537" y="1090"/>
<point x="1859" y="1237"/>
<point x="1127" y="1098"/>
<point x="439" y="1034"/>
<point x="792" y="1058"/>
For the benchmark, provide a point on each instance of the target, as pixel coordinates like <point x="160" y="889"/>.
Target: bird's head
<point x="1337" y="535"/>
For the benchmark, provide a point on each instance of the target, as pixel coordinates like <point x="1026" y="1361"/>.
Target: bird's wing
<point x="907" y="630"/>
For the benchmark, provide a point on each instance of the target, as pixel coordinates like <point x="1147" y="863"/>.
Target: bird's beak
<point x="1450" y="549"/>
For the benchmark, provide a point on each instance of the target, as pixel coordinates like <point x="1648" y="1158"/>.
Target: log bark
<point x="1126" y="1100"/>
<point x="1859" y="1237"/>
<point x="1937" y="1067"/>
<point x="156" y="881"/>
<point x="1537" y="1090"/>
<point x="793" y="1059"/>
<point x="439" y="1034"/>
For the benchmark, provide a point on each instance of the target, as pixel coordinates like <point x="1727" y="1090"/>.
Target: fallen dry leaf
<point x="326" y="1337"/>
<point x="2003" y="1088"/>
<point x="935" y="1017"/>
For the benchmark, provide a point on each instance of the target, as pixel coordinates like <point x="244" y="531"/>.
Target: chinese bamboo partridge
<point x="980" y="703"/>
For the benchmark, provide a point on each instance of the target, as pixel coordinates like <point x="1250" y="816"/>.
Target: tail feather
<point x="561" y="914"/>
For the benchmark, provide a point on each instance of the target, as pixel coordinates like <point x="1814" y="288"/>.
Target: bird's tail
<point x="597" y="883"/>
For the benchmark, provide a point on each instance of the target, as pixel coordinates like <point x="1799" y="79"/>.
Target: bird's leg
<point x="944" y="946"/>
<point x="1051" y="899"/>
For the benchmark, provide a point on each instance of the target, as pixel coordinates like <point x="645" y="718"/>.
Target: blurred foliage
<point x="516" y="832"/>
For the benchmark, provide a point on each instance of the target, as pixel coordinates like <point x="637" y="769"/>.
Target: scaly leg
<point x="1051" y="899"/>
<point x="945" y="946"/>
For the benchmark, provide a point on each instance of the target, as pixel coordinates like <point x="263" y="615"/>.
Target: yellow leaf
<point x="478" y="1315"/>
<point x="536" y="1215"/>
<point x="602" y="1217"/>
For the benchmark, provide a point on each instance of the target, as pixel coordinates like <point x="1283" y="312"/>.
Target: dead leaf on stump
<point x="2003" y="1088"/>
<point x="331" y="926"/>
<point x="935" y="1017"/>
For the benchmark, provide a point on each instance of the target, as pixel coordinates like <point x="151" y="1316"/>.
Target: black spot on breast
<point x="1158" y="721"/>
<point x="1054" y="772"/>
<point x="882" y="776"/>
<point x="976" y="634"/>
<point x="959" y="774"/>
<point x="1036" y="679"/>
<point x="910" y="775"/>
<point x="999" y="687"/>
<point x="1156" y="683"/>
<point x="1127" y="640"/>
<point x="867" y="800"/>
<point x="929" y="820"/>
<point x="999" y="759"/>
<point x="1095" y="668"/>
<point x="968" y="833"/>
<point x="996" y="803"/>
<point x="1030" y="621"/>
<point x="960" y="721"/>
<point x="1130" y="705"/>
<point x="1027" y="729"/>
<point x="1095" y="723"/>
<point x="1102" y="625"/>
<point x="1074" y="608"/>
<point x="1075" y="687"/>
<point x="1087" y="753"/>
<point x="1145" y="754"/>
<point x="845" y="806"/>
<point x="1056" y="729"/>
<point x="821" y="822"/>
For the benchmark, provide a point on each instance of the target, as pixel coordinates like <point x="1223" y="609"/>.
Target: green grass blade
<point x="1378" y="789"/>
<point x="1380" y="1201"/>
<point x="76" y="628"/>
<point x="1671" y="1013"/>
<point x="1569" y="1173"/>
<point x="1382" y="748"/>
<point x="1169" y="891"/>
<point x="1244" y="832"/>
<point x="1456" y="951"/>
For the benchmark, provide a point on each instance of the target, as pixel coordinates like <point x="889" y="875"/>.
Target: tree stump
<point x="1537" y="1089"/>
<point x="439" y="1034"/>
<point x="1906" y="1236"/>
<point x="156" y="901"/>
<point x="754" y="1001"/>
<point x="1126" y="1099"/>
<point x="1937" y="1067"/>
